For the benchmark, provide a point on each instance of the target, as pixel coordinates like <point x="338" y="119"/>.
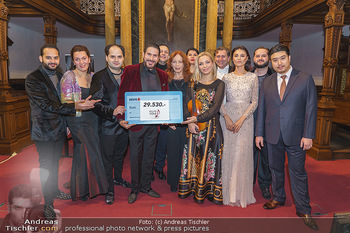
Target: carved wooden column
<point x="262" y="5"/>
<point x="125" y="30"/>
<point x="50" y="30"/>
<point x="286" y="33"/>
<point x="109" y="22"/>
<point x="334" y="22"/>
<point x="14" y="107"/>
<point x="347" y="86"/>
<point x="212" y="26"/>
<point x="228" y="25"/>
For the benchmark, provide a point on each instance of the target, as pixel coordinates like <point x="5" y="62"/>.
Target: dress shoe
<point x="63" y="196"/>
<point x="109" y="199"/>
<point x="308" y="220"/>
<point x="123" y="183"/>
<point x="272" y="204"/>
<point x="266" y="193"/>
<point x="49" y="212"/>
<point x="173" y="189"/>
<point x="150" y="192"/>
<point x="132" y="197"/>
<point x="84" y="198"/>
<point x="161" y="174"/>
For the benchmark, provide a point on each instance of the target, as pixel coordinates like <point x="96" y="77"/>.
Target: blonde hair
<point x="197" y="75"/>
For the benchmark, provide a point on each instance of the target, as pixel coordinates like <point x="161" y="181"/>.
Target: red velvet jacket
<point x="131" y="82"/>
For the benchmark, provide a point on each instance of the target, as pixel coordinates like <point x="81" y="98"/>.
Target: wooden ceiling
<point x="299" y="11"/>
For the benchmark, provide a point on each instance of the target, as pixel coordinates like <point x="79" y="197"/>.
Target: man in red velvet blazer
<point x="143" y="138"/>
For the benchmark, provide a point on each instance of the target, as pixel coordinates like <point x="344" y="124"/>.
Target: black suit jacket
<point x="47" y="121"/>
<point x="104" y="87"/>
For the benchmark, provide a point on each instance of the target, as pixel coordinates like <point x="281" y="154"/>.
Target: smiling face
<point x="50" y="59"/>
<point x="150" y="57"/>
<point x="239" y="58"/>
<point x="221" y="59"/>
<point x="192" y="56"/>
<point x="81" y="61"/>
<point x="115" y="58"/>
<point x="205" y="65"/>
<point x="261" y="58"/>
<point x="164" y="54"/>
<point x="280" y="62"/>
<point x="177" y="64"/>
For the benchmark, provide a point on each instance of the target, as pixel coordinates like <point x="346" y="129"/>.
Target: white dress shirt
<point x="279" y="79"/>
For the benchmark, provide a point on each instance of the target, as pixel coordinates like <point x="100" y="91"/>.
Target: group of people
<point x="238" y="122"/>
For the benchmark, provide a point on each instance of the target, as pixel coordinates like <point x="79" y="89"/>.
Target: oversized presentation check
<point x="153" y="107"/>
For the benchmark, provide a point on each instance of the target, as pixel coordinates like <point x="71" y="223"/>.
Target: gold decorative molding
<point x="141" y="28"/>
<point x="197" y="21"/>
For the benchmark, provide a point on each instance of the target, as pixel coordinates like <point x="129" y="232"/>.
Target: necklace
<point x="117" y="74"/>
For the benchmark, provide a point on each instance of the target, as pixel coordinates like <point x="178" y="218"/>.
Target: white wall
<point x="27" y="35"/>
<point x="306" y="48"/>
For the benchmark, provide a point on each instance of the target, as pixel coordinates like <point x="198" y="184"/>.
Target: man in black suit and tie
<point x="287" y="120"/>
<point x="113" y="137"/>
<point x="48" y="126"/>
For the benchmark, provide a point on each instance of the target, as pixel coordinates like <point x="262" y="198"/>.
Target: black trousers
<point x="142" y="149"/>
<point x="161" y="149"/>
<point x="113" y="149"/>
<point x="176" y="140"/>
<point x="50" y="153"/>
<point x="298" y="177"/>
<point x="261" y="163"/>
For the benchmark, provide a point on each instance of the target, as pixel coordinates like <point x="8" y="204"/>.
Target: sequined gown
<point x="88" y="175"/>
<point x="237" y="163"/>
<point x="201" y="159"/>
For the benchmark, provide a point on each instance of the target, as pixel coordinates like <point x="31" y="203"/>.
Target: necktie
<point x="283" y="86"/>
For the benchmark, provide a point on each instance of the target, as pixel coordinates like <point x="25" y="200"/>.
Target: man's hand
<point x="126" y="125"/>
<point x="85" y="104"/>
<point x="259" y="142"/>
<point x="306" y="143"/>
<point x="193" y="128"/>
<point x="119" y="110"/>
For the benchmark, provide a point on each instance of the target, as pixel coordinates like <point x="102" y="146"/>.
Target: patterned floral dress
<point x="201" y="160"/>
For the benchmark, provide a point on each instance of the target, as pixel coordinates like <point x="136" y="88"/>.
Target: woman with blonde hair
<point x="201" y="160"/>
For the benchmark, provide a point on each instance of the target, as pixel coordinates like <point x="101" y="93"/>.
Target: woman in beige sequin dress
<point x="237" y="115"/>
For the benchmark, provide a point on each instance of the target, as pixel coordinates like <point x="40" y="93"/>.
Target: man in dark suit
<point x="222" y="61"/>
<point x="48" y="127"/>
<point x="287" y="120"/>
<point x="143" y="138"/>
<point x="113" y="137"/>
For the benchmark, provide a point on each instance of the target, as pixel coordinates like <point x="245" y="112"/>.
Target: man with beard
<point x="222" y="60"/>
<point x="161" y="144"/>
<point x="113" y="138"/>
<point x="143" y="138"/>
<point x="261" y="163"/>
<point x="48" y="127"/>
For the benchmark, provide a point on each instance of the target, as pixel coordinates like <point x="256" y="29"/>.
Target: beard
<point x="262" y="65"/>
<point x="46" y="66"/>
